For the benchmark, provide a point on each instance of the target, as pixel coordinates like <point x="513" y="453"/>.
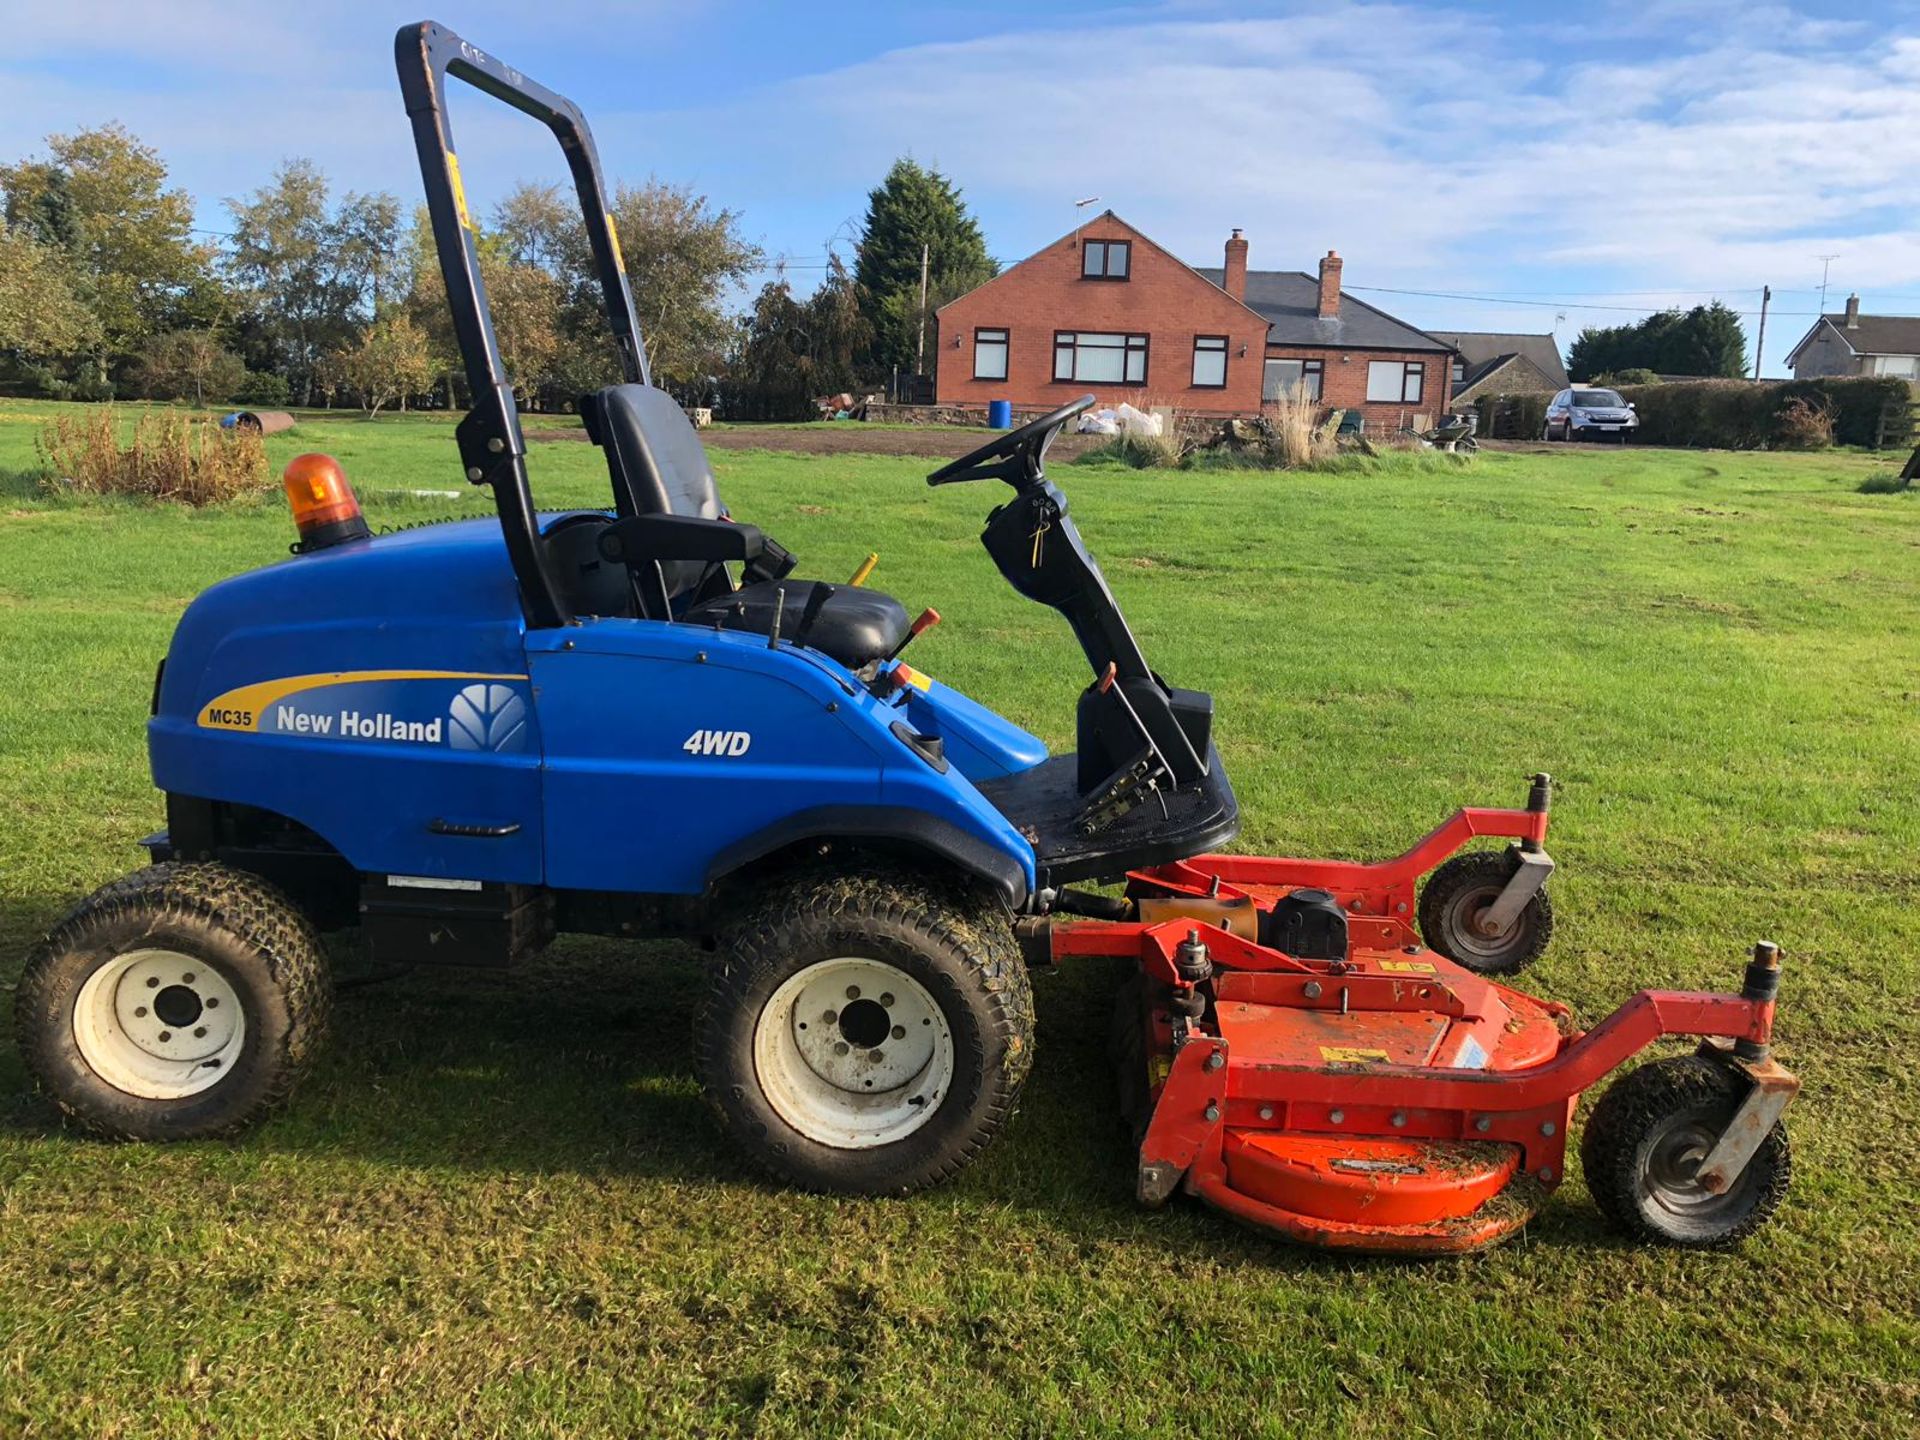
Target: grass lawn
<point x="500" y="1208"/>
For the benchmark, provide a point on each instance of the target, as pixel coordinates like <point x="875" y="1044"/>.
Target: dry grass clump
<point x="1299" y="439"/>
<point x="170" y="456"/>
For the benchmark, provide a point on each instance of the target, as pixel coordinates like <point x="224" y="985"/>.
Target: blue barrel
<point x="999" y="414"/>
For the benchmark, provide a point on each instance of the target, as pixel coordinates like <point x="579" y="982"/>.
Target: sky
<point x="1524" y="166"/>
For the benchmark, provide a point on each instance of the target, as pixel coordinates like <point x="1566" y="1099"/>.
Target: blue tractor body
<point x="387" y="696"/>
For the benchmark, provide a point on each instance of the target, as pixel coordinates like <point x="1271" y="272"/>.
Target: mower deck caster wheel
<point x="181" y="1002"/>
<point x="1458" y="895"/>
<point x="866" y="1034"/>
<point x="1646" y="1139"/>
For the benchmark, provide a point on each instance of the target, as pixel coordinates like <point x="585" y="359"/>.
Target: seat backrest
<point x="652" y="446"/>
<point x="655" y="454"/>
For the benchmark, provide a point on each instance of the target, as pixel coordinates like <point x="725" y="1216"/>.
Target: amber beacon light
<point x="324" y="508"/>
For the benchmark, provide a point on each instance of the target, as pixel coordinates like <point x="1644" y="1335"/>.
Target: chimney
<point x="1853" y="309"/>
<point x="1330" y="286"/>
<point x="1234" y="281"/>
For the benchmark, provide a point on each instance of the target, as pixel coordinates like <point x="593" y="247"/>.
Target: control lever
<point x="865" y="572"/>
<point x="924" y="622"/>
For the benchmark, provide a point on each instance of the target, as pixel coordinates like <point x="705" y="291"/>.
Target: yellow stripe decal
<point x="241" y="709"/>
<point x="459" y="190"/>
<point x="1351" y="1055"/>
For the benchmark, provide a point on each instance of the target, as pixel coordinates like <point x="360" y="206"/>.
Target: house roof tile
<point x="1290" y="301"/>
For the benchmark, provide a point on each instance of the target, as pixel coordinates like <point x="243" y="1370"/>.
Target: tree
<point x="102" y="197"/>
<point x="313" y="273"/>
<point x="682" y="258"/>
<point x="186" y="363"/>
<point x="789" y="351"/>
<point x="390" y="361"/>
<point x="1706" y="340"/>
<point x="41" y="317"/>
<point x="914" y="207"/>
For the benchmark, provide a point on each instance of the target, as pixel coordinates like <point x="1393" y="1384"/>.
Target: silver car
<point x="1582" y="413"/>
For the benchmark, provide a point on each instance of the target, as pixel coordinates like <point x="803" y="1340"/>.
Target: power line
<point x="1543" y="304"/>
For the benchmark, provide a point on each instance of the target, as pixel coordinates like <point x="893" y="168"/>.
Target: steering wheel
<point x="1016" y="457"/>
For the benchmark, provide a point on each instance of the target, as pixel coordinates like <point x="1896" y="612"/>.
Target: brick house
<point x="1106" y="310"/>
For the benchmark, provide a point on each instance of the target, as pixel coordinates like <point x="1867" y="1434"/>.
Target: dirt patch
<point x="934" y="442"/>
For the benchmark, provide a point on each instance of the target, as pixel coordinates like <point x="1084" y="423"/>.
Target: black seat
<point x="661" y="468"/>
<point x="854" y="626"/>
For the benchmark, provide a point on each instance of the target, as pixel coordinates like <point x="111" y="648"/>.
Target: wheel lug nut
<point x="213" y="1004"/>
<point x="853" y="992"/>
<point x="829" y="1017"/>
<point x="886" y="1000"/>
<point x="876" y="1055"/>
<point x="140" y="1012"/>
<point x="187" y="979"/>
<point x="899" y="1032"/>
<point x="841" y="1047"/>
<point x="165" y="1036"/>
<point x="199" y="1032"/>
<point x="153" y="982"/>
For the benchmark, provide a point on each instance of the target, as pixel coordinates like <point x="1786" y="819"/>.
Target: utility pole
<point x="1826" y="264"/>
<point x="1760" y="345"/>
<point x="920" y="346"/>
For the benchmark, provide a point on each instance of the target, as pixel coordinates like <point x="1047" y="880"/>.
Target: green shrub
<point x="262" y="389"/>
<point x="1866" y="410"/>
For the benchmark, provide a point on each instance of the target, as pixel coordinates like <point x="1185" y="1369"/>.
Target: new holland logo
<point x="487" y="717"/>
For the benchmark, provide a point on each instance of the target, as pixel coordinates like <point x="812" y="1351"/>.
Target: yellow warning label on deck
<point x="1407" y="967"/>
<point x="1352" y="1055"/>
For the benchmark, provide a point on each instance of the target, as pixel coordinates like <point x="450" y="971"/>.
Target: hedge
<point x="1868" y="410"/>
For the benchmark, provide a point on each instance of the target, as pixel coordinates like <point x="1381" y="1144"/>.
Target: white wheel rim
<point x="159" y="1025"/>
<point x="853" y="1053"/>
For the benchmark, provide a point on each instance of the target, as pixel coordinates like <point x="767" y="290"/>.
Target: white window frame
<point x="984" y="341"/>
<point x="1407" y="386"/>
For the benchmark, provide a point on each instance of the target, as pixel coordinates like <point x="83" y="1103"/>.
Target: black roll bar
<point x="492" y="448"/>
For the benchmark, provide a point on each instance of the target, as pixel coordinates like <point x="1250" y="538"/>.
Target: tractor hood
<point x="440" y="595"/>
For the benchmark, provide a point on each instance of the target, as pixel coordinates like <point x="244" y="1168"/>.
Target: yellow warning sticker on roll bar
<point x="459" y="191"/>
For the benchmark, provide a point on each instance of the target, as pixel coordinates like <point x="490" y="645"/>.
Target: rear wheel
<point x="1644" y="1145"/>
<point x="182" y="1001"/>
<point x="1453" y="909"/>
<point x="867" y="1034"/>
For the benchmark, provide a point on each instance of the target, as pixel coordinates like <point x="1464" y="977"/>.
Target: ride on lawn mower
<point x="462" y="738"/>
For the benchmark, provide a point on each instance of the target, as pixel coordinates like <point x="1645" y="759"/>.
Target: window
<point x="1459" y="371"/>
<point x="1210" y="362"/>
<point x="1105" y="259"/>
<point x="1101" y="359"/>
<point x="989" y="354"/>
<point x="1396" y="382"/>
<point x="1292" y="377"/>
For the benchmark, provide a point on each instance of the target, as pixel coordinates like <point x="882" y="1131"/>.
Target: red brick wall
<point x="1343" y="383"/>
<point x="1161" y="299"/>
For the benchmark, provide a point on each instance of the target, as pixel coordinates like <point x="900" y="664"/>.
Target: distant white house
<point x="1854" y="344"/>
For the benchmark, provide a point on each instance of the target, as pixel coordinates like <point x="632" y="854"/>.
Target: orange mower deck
<point x="1387" y="1101"/>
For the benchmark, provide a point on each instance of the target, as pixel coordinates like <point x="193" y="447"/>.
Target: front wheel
<point x="183" y="1001"/>
<point x="866" y="1033"/>
<point x="1453" y="909"/>
<point x="1644" y="1145"/>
